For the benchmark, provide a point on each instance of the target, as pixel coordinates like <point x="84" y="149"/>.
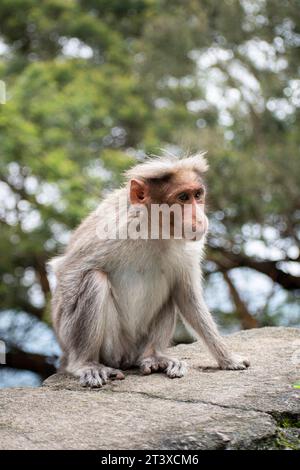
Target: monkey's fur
<point x="116" y="300"/>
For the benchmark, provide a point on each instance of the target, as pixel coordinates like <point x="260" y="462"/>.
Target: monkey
<point x="117" y="298"/>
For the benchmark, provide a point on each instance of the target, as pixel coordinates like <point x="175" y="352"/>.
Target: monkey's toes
<point x="95" y="377"/>
<point x="115" y="374"/>
<point x="148" y="365"/>
<point x="176" y="369"/>
<point x="92" y="378"/>
<point x="153" y="364"/>
<point x="172" y="367"/>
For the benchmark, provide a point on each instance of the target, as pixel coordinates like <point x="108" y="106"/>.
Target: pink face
<point x="187" y="192"/>
<point x="191" y="197"/>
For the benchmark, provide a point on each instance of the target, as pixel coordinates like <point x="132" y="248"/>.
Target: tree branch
<point x="228" y="260"/>
<point x="40" y="268"/>
<point x="247" y="320"/>
<point x="42" y="365"/>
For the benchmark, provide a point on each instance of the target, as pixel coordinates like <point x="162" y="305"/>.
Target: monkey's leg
<point x="81" y="329"/>
<point x="194" y="310"/>
<point x="161" y="331"/>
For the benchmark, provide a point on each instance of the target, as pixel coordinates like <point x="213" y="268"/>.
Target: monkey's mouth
<point x="196" y="237"/>
<point x="198" y="230"/>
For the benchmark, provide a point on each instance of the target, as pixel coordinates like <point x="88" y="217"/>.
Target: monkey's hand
<point x="170" y="366"/>
<point x="96" y="375"/>
<point x="234" y="362"/>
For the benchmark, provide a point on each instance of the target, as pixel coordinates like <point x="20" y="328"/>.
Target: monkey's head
<point x="174" y="190"/>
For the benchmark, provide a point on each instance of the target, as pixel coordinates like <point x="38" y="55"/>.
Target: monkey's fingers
<point x="235" y="363"/>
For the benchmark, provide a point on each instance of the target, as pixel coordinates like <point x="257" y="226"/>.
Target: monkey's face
<point x="179" y="200"/>
<point x="190" y="196"/>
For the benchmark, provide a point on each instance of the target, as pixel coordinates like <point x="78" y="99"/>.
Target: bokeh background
<point x="92" y="86"/>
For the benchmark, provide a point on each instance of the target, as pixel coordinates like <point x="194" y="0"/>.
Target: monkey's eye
<point x="199" y="194"/>
<point x="183" y="197"/>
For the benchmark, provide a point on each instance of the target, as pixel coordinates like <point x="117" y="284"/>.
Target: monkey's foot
<point x="95" y="376"/>
<point x="170" y="366"/>
<point x="234" y="363"/>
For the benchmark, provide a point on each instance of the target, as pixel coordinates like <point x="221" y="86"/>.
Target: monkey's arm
<point x="193" y="309"/>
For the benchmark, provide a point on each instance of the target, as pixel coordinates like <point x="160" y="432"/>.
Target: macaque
<point x="117" y="296"/>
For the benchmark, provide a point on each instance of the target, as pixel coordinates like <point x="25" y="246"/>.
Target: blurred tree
<point x="94" y="85"/>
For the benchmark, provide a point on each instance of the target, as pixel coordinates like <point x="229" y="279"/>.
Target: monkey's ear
<point x="138" y="192"/>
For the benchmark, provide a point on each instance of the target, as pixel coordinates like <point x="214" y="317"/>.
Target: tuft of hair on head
<point x="162" y="167"/>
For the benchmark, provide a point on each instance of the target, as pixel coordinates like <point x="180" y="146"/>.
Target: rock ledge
<point x="207" y="409"/>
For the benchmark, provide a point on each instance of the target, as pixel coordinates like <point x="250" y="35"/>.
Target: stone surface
<point x="207" y="409"/>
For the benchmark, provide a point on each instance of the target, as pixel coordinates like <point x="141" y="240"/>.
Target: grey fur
<point x="115" y="302"/>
